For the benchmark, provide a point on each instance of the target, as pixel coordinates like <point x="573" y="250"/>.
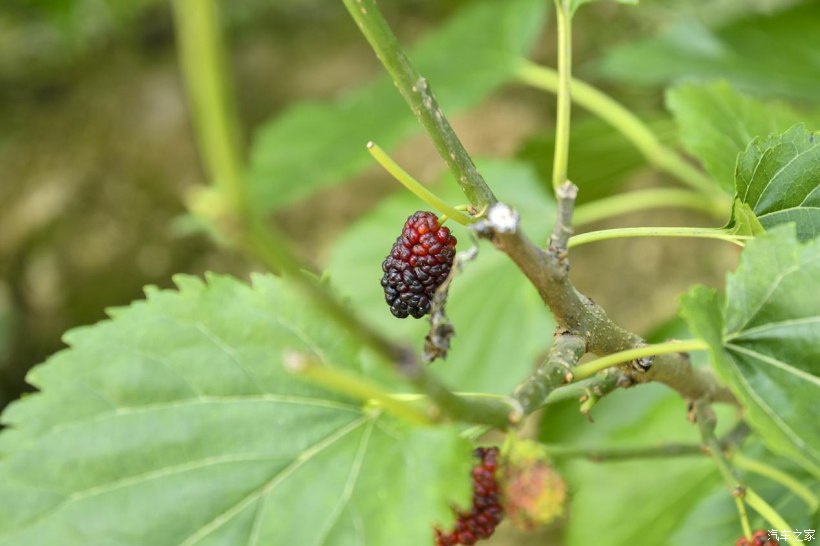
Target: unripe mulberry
<point x="759" y="538"/>
<point x="418" y="263"/>
<point x="534" y="493"/>
<point x="486" y="512"/>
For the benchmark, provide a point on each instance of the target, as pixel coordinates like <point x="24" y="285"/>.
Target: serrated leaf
<point x="716" y="123"/>
<point x="778" y="177"/>
<point x="176" y="423"/>
<point x="499" y="319"/>
<point x="764" y="340"/>
<point x="766" y="55"/>
<point x="313" y="145"/>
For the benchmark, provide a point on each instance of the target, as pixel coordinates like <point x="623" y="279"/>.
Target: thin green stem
<point x="589" y="403"/>
<point x="775" y="474"/>
<point x="415" y="186"/>
<point x="627" y="123"/>
<point x="598" y="386"/>
<point x="707" y="422"/>
<point x="767" y="512"/>
<point x="202" y="58"/>
<point x="588" y="369"/>
<point x="564" y="107"/>
<point x="612" y="454"/>
<point x="623" y="233"/>
<point x="624" y="203"/>
<point x="744" y="518"/>
<point x="355" y="386"/>
<point x="661" y="451"/>
<point x="417" y="93"/>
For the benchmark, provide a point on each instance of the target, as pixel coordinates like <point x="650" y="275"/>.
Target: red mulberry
<point x="418" y="263"/>
<point x="759" y="538"/>
<point x="486" y="512"/>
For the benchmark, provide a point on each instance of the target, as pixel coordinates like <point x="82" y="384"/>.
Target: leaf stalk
<point x="625" y="233"/>
<point x="624" y="203"/>
<point x="564" y="102"/>
<point x="627" y="123"/>
<point x="588" y="369"/>
<point x="415" y="186"/>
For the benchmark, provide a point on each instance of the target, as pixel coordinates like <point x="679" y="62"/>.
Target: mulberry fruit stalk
<point x="759" y="538"/>
<point x="486" y="512"/>
<point x="417" y="265"/>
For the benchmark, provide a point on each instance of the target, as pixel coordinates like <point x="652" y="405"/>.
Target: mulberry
<point x="418" y="263"/>
<point x="486" y="512"/>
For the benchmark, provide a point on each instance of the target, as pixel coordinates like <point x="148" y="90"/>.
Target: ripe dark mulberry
<point x="759" y="538"/>
<point x="486" y="512"/>
<point x="418" y="263"/>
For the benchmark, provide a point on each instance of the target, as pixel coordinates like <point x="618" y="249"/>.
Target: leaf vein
<point x="275" y="480"/>
<point x="776" y="363"/>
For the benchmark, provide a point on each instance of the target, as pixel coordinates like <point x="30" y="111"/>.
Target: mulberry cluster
<point x="759" y="538"/>
<point x="486" y="513"/>
<point x="418" y="263"/>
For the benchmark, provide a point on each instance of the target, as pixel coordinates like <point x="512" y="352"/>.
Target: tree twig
<point x="705" y="418"/>
<point x="437" y="341"/>
<point x="417" y="93"/>
<point x="730" y="441"/>
<point x="552" y="373"/>
<point x="577" y="314"/>
<point x="565" y="194"/>
<point x="691" y="382"/>
<point x="599" y="386"/>
<point x="547" y="270"/>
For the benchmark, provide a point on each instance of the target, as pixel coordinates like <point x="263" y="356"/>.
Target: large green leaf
<point x="639" y="501"/>
<point x="314" y="144"/>
<point x="717" y="123"/>
<point x="661" y="501"/>
<point x="778" y="178"/>
<point x="501" y="324"/>
<point x="176" y="423"/>
<point x="764" y="340"/>
<point x="764" y="54"/>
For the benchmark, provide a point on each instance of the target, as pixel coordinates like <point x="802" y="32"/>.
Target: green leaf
<point x="600" y="158"/>
<point x="501" y="324"/>
<point x="313" y="145"/>
<point x="717" y="123"/>
<point x="716" y="515"/>
<point x="766" y="55"/>
<point x="778" y="177"/>
<point x="765" y="340"/>
<point x="638" y="501"/>
<point x="176" y="423"/>
<point x="744" y="221"/>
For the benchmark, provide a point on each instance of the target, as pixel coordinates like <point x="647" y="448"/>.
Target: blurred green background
<point x="97" y="151"/>
<point x="98" y="156"/>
